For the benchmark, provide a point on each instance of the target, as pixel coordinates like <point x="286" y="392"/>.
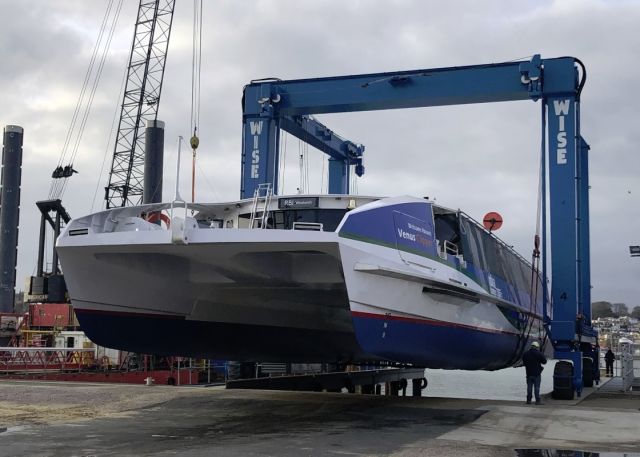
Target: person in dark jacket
<point x="533" y="360"/>
<point x="609" y="357"/>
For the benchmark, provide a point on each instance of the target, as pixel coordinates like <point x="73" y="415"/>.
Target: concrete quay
<point x="73" y="419"/>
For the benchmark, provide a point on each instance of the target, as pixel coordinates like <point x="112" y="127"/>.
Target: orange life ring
<point x="158" y="216"/>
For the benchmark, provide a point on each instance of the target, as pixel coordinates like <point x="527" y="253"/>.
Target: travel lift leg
<point x="568" y="188"/>
<point x="589" y="348"/>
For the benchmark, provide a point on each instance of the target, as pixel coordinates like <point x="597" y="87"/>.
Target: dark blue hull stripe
<point x="434" y="344"/>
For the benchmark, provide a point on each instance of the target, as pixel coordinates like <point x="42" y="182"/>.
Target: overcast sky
<point x="478" y="158"/>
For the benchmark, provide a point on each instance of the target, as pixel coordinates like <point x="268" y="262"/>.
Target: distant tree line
<point x="606" y="309"/>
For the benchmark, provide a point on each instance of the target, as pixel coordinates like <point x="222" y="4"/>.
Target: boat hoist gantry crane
<point x="272" y="105"/>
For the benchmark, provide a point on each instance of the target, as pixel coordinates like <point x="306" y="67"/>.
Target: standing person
<point x="533" y="360"/>
<point x="609" y="357"/>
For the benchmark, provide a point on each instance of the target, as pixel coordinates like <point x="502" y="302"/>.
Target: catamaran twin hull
<point x="381" y="286"/>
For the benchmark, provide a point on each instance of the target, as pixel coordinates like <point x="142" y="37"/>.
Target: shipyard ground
<point x="73" y="419"/>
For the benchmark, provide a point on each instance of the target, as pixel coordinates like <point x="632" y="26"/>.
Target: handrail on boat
<point x="313" y="226"/>
<point x="450" y="247"/>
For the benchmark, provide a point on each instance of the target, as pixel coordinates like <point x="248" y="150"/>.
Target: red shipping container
<point x="50" y="315"/>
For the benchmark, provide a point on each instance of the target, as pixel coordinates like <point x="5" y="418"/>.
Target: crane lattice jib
<point x="140" y="101"/>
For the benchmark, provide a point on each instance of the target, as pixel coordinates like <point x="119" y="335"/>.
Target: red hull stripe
<point x="422" y="321"/>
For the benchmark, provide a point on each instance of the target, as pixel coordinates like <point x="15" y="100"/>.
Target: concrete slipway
<point x="65" y="419"/>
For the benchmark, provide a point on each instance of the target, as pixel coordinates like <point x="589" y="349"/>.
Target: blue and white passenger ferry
<point x="313" y="278"/>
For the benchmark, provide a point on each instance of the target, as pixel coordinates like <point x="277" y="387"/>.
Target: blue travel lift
<point x="273" y="105"/>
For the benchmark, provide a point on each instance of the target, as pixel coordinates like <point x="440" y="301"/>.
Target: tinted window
<point x="329" y="218"/>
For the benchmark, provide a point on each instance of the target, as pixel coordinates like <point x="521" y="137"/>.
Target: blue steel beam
<point x="564" y="228"/>
<point x="260" y="156"/>
<point x="563" y="220"/>
<point x="342" y="153"/>
<point x="270" y="101"/>
<point x="584" y="236"/>
<point x="568" y="244"/>
<point x="404" y="89"/>
<point x="261" y="151"/>
<point x="321" y="137"/>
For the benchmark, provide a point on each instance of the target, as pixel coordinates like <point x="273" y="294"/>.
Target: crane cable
<point x="324" y="167"/>
<point x="112" y="130"/>
<point x="535" y="269"/>
<point x="535" y="255"/>
<point x="536" y="279"/>
<point x="94" y="88"/>
<point x="283" y="162"/>
<point x="84" y="103"/>
<point x="303" y="165"/>
<point x="196" y="69"/>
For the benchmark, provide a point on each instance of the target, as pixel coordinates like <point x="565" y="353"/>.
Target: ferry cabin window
<point x="284" y="219"/>
<point x="210" y="223"/>
<point x="487" y="253"/>
<point x="448" y="229"/>
<point x="329" y="218"/>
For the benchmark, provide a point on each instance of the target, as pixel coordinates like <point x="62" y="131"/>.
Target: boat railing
<point x="312" y="226"/>
<point x="447" y="247"/>
<point x="138" y="217"/>
<point x="162" y="216"/>
<point x="450" y="248"/>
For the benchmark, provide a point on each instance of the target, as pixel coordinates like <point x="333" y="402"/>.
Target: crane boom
<point x="140" y="101"/>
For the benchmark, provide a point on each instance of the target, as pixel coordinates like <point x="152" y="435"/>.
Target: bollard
<point x="403" y="387"/>
<point x="418" y="385"/>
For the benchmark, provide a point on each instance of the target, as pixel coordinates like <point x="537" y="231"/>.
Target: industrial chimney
<point x="10" y="214"/>
<point x="153" y="161"/>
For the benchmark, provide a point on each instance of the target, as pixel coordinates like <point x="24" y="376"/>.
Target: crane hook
<point x="194" y="141"/>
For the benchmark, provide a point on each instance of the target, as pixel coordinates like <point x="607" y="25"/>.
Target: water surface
<point x="507" y="384"/>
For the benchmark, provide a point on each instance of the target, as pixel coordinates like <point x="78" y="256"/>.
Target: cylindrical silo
<point x="153" y="160"/>
<point x="10" y="213"/>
